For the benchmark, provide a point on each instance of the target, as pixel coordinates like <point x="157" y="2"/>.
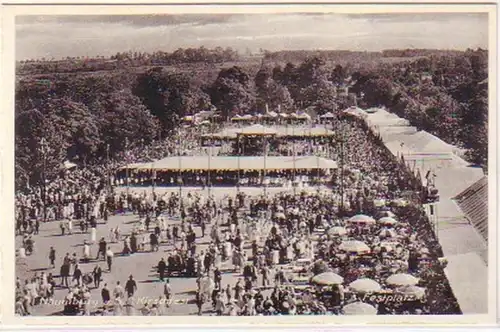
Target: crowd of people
<point x="300" y="252"/>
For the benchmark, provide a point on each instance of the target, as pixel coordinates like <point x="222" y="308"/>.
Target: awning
<point x="223" y="163"/>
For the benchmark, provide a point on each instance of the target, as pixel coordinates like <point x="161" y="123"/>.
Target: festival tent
<point x="357" y="112"/>
<point x="256" y="129"/>
<point x="224" y="163"/>
<point x="237" y="117"/>
<point x="280" y="131"/>
<point x="283" y="115"/>
<point x="272" y="114"/>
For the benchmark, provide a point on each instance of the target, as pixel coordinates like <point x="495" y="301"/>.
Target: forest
<point x="86" y="109"/>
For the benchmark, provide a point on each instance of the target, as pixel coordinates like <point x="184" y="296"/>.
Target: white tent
<point x="69" y="165"/>
<point x="328" y="115"/>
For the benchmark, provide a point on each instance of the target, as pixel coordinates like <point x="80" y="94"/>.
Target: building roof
<point x="201" y="163"/>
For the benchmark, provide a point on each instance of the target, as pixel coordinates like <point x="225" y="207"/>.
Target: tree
<point x="125" y="117"/>
<point x="232" y="92"/>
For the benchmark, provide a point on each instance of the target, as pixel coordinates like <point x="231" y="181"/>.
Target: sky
<point x="62" y="36"/>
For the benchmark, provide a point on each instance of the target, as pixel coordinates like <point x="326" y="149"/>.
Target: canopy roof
<point x="186" y="163"/>
<point x="280" y="131"/>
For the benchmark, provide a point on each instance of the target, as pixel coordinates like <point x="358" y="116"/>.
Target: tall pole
<point x="179" y="180"/>
<point x="238" y="156"/>
<point x="43" y="148"/>
<point x="126" y="160"/>
<point x="210" y="147"/>
<point x="153" y="178"/>
<point x="294" y="162"/>
<point x="107" y="168"/>
<point x="265" y="165"/>
<point x="342" y="169"/>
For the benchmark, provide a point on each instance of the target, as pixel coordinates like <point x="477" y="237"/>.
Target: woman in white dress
<point x="70" y="225"/>
<point x="93" y="235"/>
<point x="112" y="235"/>
<point x="86" y="251"/>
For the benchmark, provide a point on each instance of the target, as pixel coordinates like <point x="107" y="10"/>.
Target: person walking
<point x="105" y="295"/>
<point x="118" y="292"/>
<point x="131" y="286"/>
<point x="109" y="258"/>
<point x="167" y="291"/>
<point x="97" y="275"/>
<point x="77" y="275"/>
<point x="102" y="249"/>
<point x="162" y="267"/>
<point x="52" y="257"/>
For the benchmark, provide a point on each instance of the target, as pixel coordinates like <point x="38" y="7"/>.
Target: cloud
<point x="62" y="36"/>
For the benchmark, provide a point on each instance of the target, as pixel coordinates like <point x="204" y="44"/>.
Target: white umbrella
<point x="327" y="278"/>
<point x="387" y="221"/>
<point x="280" y="215"/>
<point x="400" y="202"/>
<point x="417" y="292"/>
<point x="337" y="230"/>
<point x="385" y="232"/>
<point x="388" y="214"/>
<point x="365" y="285"/>
<point x="361" y="219"/>
<point x="402" y="279"/>
<point x="354" y="246"/>
<point x="359" y="308"/>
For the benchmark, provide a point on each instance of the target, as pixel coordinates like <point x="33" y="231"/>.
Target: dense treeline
<point x="128" y="59"/>
<point x="86" y="116"/>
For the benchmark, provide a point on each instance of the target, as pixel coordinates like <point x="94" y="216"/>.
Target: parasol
<point x="387" y="221"/>
<point x="354" y="246"/>
<point x="387" y="233"/>
<point x="337" y="230"/>
<point x="417" y="292"/>
<point x="365" y="285"/>
<point x="359" y="308"/>
<point x="361" y="219"/>
<point x="327" y="278"/>
<point x="402" y="279"/>
<point x="280" y="215"/>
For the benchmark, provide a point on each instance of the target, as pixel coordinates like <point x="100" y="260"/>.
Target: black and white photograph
<point x="253" y="164"/>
